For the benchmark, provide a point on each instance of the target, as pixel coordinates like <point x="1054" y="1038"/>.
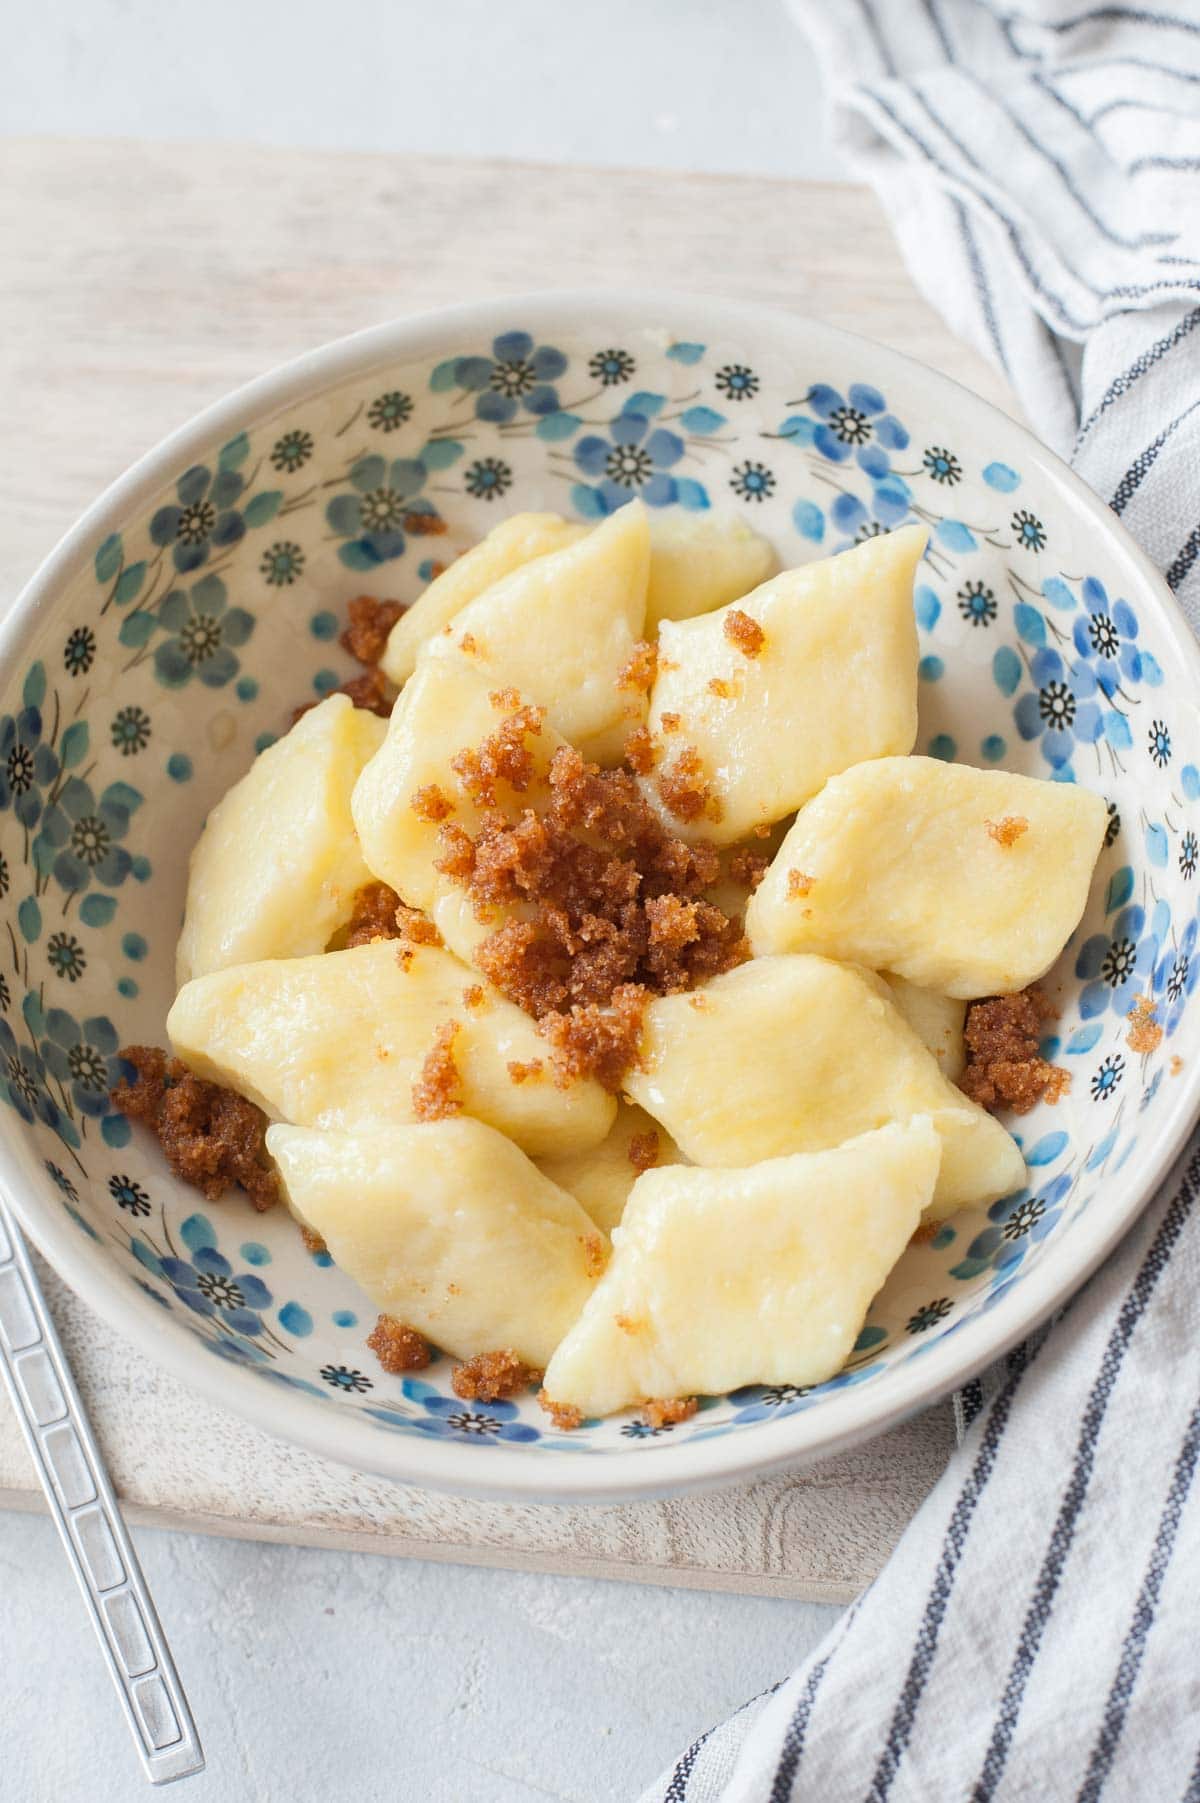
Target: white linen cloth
<point x="1035" y="1634"/>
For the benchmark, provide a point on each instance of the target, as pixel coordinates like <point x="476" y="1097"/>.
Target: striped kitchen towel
<point x="1034" y="1635"/>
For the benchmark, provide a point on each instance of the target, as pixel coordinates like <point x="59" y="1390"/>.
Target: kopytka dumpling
<point x="965" y="881"/>
<point x="758" y="703"/>
<point x="752" y="1275"/>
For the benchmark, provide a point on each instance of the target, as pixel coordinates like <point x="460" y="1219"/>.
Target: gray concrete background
<point x="342" y="1676"/>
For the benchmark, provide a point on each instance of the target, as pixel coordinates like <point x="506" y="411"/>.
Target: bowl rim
<point x="642" y="1471"/>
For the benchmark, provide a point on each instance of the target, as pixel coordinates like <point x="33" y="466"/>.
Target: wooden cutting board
<point x="141" y="283"/>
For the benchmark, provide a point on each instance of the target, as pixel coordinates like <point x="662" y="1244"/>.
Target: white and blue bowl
<point x="170" y="635"/>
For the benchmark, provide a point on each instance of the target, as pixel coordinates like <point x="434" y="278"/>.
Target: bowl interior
<point x="160" y="660"/>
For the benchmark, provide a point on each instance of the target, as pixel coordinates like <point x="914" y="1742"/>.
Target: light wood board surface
<point x="140" y="282"/>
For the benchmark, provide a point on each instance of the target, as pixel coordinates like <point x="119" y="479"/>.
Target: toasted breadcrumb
<point x="924" y="1233"/>
<point x="638" y="673"/>
<point x="670" y="722"/>
<point x="744" y="632"/>
<point x="668" y="1411"/>
<point x="415" y="927"/>
<point x="212" y="1138"/>
<point x="507" y="700"/>
<point x="1008" y="830"/>
<point x="595" y="1254"/>
<point x="470" y="644"/>
<point x="437" y="1092"/>
<point x="530" y="1072"/>
<point x="1145" y="1034"/>
<point x="370" y="623"/>
<point x="474" y="997"/>
<point x="1004" y="1068"/>
<point x="425" y="525"/>
<point x="372" y="915"/>
<point x="612" y="909"/>
<point x="312" y="1241"/>
<point x="397" y="1347"/>
<point x="685" y="790"/>
<point x="502" y="757"/>
<point x="1176" y="1065"/>
<point x="722" y="687"/>
<point x="564" y="1415"/>
<point x="631" y="1324"/>
<point x="371" y="691"/>
<point x="799" y="884"/>
<point x="430" y="804"/>
<point x="641" y="753"/>
<point x="643" y="1151"/>
<point x="748" y="868"/>
<point x="493" y="1377"/>
<point x="700" y="1002"/>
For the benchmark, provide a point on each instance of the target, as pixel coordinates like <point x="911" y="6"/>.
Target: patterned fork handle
<point x="89" y="1522"/>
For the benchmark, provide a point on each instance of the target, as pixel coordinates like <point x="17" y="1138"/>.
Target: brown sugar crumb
<point x="502" y="757"/>
<point x="639" y="672"/>
<point x="437" y="1092"/>
<point x="371" y="622"/>
<point x="748" y="868"/>
<point x="631" y="1324"/>
<point x="373" y="915"/>
<point x="493" y="1377"/>
<point x="924" y="1233"/>
<point x="1004" y="1068"/>
<point x="507" y="700"/>
<point x="563" y="1414"/>
<point x="1145" y="1034"/>
<point x="643" y="1151"/>
<point x="212" y="1138"/>
<point x="470" y="644"/>
<point x="744" y="632"/>
<point x="397" y="1347"/>
<point x="670" y="722"/>
<point x="799" y="885"/>
<point x="430" y="804"/>
<point x="668" y="1411"/>
<point x="531" y="1072"/>
<point x="700" y="1002"/>
<point x="686" y="791"/>
<point x="595" y="1041"/>
<point x="474" y="997"/>
<point x="641" y="753"/>
<point x="721" y="687"/>
<point x="1008" y="830"/>
<point x="1176" y="1065"/>
<point x="312" y="1241"/>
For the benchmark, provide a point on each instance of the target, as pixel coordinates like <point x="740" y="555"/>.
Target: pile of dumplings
<point x="807" y="1117"/>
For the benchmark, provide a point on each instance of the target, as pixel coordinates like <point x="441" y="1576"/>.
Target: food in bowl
<point x="603" y="1012"/>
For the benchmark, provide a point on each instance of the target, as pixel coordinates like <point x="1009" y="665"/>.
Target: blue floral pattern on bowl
<point x="213" y="612"/>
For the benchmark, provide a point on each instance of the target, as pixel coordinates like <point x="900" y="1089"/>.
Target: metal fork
<point x="89" y="1523"/>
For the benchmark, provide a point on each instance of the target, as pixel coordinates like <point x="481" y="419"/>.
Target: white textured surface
<point x="343" y="1678"/>
<point x="675" y="84"/>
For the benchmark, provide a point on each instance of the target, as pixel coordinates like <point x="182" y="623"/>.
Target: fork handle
<point x="88" y="1520"/>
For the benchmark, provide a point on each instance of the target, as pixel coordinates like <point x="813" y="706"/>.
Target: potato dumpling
<point x="563" y="628"/>
<point x="445" y="707"/>
<point x="815" y="670"/>
<point x="337" y="1041"/>
<point x="965" y="881"/>
<point x="601" y="1179"/>
<point x="699" y="561"/>
<point x="796" y="1054"/>
<point x="515" y="541"/>
<point x="937" y="1020"/>
<point x="448" y="1227"/>
<point x="755" y="1275"/>
<point x="275" y="871"/>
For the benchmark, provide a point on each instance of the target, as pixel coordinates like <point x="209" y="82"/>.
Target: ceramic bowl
<point x="170" y="635"/>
